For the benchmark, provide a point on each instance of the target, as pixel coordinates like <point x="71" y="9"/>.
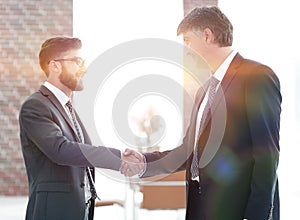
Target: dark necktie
<point x="88" y="170"/>
<point x="211" y="94"/>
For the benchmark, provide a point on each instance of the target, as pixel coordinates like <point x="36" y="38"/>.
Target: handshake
<point x="132" y="163"/>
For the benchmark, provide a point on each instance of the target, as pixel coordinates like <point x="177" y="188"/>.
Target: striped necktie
<point x="88" y="170"/>
<point x="211" y="94"/>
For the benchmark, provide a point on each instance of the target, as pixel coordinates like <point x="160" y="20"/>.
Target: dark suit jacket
<point x="55" y="161"/>
<point x="239" y="148"/>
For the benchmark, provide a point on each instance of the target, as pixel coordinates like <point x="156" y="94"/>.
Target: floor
<point x="13" y="208"/>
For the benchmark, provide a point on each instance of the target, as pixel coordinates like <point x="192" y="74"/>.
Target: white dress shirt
<point x="219" y="75"/>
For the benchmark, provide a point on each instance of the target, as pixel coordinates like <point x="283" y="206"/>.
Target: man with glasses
<point x="57" y="150"/>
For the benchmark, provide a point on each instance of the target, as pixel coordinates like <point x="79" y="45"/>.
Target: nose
<point x="188" y="52"/>
<point x="82" y="69"/>
<point x="187" y="44"/>
<point x="81" y="72"/>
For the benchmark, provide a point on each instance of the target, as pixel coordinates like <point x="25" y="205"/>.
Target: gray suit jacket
<point x="240" y="179"/>
<point x="55" y="162"/>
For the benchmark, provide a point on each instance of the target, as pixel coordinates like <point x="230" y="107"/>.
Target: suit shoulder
<point x="36" y="99"/>
<point x="254" y="70"/>
<point x="255" y="66"/>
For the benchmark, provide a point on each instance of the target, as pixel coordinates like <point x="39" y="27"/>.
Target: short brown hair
<point x="212" y="18"/>
<point x="52" y="48"/>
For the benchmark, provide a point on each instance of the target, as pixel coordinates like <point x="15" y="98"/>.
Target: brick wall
<point x="24" y="25"/>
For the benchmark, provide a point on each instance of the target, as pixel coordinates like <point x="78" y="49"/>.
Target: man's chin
<point x="79" y="87"/>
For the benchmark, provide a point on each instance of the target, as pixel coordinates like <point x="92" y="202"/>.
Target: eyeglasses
<point x="78" y="60"/>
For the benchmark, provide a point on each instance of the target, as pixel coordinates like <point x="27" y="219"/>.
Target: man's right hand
<point x="132" y="163"/>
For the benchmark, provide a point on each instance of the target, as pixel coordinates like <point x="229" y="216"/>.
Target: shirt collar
<point x="220" y="73"/>
<point x="60" y="95"/>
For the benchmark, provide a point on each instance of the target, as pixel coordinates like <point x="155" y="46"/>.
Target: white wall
<point x="102" y="25"/>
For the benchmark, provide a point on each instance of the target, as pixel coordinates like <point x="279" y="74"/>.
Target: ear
<point x="54" y="67"/>
<point x="208" y="35"/>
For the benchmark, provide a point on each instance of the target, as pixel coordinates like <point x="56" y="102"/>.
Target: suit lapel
<point x="231" y="72"/>
<point x="46" y="92"/>
<point x="200" y="95"/>
<point x="219" y="99"/>
<point x="218" y="109"/>
<point x="229" y="75"/>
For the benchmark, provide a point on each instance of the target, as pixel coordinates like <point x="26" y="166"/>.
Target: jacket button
<point x="82" y="185"/>
<point x="199" y="189"/>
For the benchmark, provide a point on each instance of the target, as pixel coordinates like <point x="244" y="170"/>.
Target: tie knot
<point x="212" y="88"/>
<point x="213" y="82"/>
<point x="69" y="105"/>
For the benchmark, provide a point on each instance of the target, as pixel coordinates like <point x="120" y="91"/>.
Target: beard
<point x="72" y="81"/>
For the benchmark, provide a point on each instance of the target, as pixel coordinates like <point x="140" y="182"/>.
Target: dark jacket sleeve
<point x="46" y="128"/>
<point x="170" y="161"/>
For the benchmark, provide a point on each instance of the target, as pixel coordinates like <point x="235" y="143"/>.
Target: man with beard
<point x="57" y="150"/>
